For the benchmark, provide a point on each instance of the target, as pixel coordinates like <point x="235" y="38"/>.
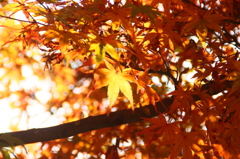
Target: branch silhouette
<point x="96" y="122"/>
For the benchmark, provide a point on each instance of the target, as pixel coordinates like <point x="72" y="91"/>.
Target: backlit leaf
<point x="116" y="81"/>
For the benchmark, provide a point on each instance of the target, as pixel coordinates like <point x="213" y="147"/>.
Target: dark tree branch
<point x="93" y="122"/>
<point x="86" y="124"/>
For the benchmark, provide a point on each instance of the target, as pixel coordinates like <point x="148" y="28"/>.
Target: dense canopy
<point x="120" y="79"/>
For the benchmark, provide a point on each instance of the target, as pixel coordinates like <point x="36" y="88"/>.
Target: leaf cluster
<point x="105" y="56"/>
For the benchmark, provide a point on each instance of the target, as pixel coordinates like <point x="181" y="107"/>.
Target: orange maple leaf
<point x="187" y="143"/>
<point x="160" y="128"/>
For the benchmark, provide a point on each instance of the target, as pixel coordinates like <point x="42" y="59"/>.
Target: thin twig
<point x="34" y="22"/>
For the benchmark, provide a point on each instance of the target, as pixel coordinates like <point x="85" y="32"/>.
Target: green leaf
<point x="150" y="11"/>
<point x="11" y="140"/>
<point x="6" y="153"/>
<point x="99" y="52"/>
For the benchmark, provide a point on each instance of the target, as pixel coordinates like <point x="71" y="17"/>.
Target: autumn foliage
<point x="142" y="78"/>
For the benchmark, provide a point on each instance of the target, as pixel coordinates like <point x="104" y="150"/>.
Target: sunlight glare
<point x="44" y="96"/>
<point x="5" y="115"/>
<point x="156" y="80"/>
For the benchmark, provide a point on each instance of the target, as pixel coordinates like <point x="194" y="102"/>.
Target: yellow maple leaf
<point x="116" y="81"/>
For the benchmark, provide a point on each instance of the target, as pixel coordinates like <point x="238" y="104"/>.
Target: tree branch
<point x="26" y="21"/>
<point x="93" y="122"/>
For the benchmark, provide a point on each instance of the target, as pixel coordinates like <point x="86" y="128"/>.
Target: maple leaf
<point x="100" y="50"/>
<point x="226" y="148"/>
<point x="208" y="20"/>
<point x="183" y="100"/>
<point x="161" y="128"/>
<point x="116" y="81"/>
<point x="148" y="10"/>
<point x="123" y="46"/>
<point x="186" y="142"/>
